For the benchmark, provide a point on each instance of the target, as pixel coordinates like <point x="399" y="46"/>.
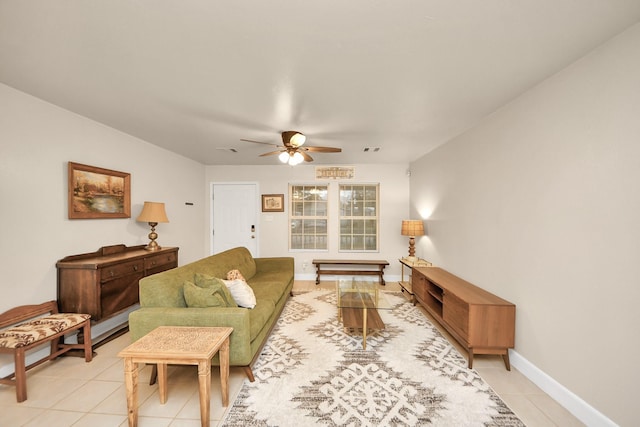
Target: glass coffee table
<point x="358" y="305"/>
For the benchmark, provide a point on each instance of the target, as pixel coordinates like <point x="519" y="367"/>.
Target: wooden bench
<point x="28" y="326"/>
<point x="365" y="270"/>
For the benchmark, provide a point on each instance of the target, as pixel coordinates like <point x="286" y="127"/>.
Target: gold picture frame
<point x="273" y="203"/>
<point x="98" y="193"/>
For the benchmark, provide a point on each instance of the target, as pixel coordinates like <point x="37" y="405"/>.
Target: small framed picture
<point x="273" y="203"/>
<point x="98" y="193"/>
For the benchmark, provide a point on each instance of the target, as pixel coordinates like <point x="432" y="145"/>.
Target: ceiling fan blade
<point x="307" y="158"/>
<point x="271" y="153"/>
<point x="323" y="149"/>
<point x="260" y="142"/>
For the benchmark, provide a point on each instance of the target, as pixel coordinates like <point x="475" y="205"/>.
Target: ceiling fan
<point x="292" y="151"/>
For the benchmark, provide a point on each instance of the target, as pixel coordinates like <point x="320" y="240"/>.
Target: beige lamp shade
<point x="412" y="227"/>
<point x="153" y="212"/>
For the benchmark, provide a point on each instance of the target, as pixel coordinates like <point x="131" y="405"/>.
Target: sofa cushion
<point x="260" y="316"/>
<point x="198" y="297"/>
<point x="268" y="291"/>
<point x="241" y="292"/>
<point x="206" y="281"/>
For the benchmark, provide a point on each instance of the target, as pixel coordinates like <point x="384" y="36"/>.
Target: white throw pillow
<point x="241" y="292"/>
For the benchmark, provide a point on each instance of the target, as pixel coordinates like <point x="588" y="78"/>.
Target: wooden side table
<point x="178" y="345"/>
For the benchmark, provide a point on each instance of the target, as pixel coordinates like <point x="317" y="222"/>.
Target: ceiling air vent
<point x="371" y="149"/>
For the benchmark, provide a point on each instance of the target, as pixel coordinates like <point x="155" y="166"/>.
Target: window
<point x="359" y="218"/>
<point x="308" y="218"/>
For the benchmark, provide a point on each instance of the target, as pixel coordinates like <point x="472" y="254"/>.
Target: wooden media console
<point x="480" y="321"/>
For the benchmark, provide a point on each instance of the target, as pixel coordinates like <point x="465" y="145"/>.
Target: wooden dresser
<point x="105" y="282"/>
<point x="480" y="321"/>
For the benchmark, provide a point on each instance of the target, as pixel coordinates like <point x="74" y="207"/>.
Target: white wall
<point x="539" y="204"/>
<point x="394" y="207"/>
<point x="37" y="140"/>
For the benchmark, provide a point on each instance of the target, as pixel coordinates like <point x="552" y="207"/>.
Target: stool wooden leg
<point x="21" y="375"/>
<point x="88" y="350"/>
<point x="56" y="344"/>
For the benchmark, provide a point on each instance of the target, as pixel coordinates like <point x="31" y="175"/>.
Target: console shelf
<point x="480" y="321"/>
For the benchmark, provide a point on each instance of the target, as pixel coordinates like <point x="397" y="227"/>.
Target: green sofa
<point x="162" y="301"/>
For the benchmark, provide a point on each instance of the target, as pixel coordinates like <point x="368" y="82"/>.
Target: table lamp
<point x="412" y="228"/>
<point x="153" y="213"/>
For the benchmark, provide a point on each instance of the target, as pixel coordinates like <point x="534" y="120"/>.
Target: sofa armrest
<point x="146" y="319"/>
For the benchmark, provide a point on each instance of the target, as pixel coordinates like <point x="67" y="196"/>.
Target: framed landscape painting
<point x="98" y="193"/>
<point x="273" y="203"/>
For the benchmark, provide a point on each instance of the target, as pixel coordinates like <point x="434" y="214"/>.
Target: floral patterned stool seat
<point x="41" y="324"/>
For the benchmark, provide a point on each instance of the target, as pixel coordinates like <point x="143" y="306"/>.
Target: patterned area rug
<point x="314" y="372"/>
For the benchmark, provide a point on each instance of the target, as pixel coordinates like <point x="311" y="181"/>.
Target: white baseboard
<point x="565" y="397"/>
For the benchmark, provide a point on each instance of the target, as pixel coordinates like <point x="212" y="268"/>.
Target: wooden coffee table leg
<point x="162" y="382"/>
<point x="131" y="385"/>
<point x="224" y="372"/>
<point x="204" y="382"/>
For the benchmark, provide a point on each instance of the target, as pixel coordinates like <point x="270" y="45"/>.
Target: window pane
<point x="370" y="226"/>
<point x="358" y="243"/>
<point x="309" y="209"/>
<point x="371" y="243"/>
<point x="321" y="208"/>
<point x="296" y="242"/>
<point x="345" y="243"/>
<point x="370" y="209"/>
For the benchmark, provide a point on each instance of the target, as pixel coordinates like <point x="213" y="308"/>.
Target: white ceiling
<point x="196" y="76"/>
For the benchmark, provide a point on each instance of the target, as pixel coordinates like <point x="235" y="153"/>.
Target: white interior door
<point x="235" y="217"/>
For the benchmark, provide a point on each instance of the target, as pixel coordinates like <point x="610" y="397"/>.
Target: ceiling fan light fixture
<point x="295" y="159"/>
<point x="284" y="157"/>
<point x="297" y="139"/>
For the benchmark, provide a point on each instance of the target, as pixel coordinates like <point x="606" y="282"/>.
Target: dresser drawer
<point x="118" y="294"/>
<point x="162" y="260"/>
<point x="120" y="270"/>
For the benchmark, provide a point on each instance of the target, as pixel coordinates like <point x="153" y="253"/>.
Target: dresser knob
<point x="135" y="268"/>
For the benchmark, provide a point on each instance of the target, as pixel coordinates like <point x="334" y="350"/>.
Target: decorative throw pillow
<point x="205" y="281"/>
<point x="235" y="274"/>
<point x="198" y="297"/>
<point x="241" y="292"/>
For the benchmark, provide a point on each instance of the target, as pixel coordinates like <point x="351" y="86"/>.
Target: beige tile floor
<point x="70" y="392"/>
